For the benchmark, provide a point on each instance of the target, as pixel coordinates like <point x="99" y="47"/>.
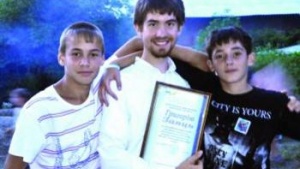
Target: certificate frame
<point x="175" y="125"/>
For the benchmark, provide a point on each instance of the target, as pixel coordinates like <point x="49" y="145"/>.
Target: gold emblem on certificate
<point x="175" y="125"/>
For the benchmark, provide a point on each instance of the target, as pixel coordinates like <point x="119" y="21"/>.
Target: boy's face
<point x="230" y="62"/>
<point x="159" y="33"/>
<point x="81" y="60"/>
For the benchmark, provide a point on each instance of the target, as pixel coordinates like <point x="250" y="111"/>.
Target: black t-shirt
<point x="240" y="128"/>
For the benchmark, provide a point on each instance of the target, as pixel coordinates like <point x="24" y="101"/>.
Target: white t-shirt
<point x="52" y="133"/>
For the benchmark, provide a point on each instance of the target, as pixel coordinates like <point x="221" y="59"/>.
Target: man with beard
<point x="157" y="23"/>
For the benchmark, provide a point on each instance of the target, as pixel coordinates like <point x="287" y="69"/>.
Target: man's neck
<point x="160" y="63"/>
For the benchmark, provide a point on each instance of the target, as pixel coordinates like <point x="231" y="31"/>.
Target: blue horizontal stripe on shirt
<point x="73" y="148"/>
<point x="64" y="113"/>
<point x="83" y="163"/>
<point x="70" y="130"/>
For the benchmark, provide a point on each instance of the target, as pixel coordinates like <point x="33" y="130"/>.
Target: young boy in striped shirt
<point x="59" y="126"/>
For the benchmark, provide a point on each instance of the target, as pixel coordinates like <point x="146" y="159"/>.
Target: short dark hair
<point x="226" y="34"/>
<point x="143" y="7"/>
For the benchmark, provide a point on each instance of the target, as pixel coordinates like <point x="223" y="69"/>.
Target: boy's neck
<point x="236" y="88"/>
<point x="72" y="93"/>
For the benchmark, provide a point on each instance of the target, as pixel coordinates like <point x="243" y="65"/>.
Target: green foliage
<point x="17" y="10"/>
<point x="215" y="24"/>
<point x="290" y="62"/>
<point x="34" y="76"/>
<point x="39" y="81"/>
<point x="287" y="149"/>
<point x="14" y="10"/>
<point x="274" y="38"/>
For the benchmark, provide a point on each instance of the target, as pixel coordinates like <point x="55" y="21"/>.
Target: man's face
<point x="230" y="61"/>
<point x="81" y="60"/>
<point x="159" y="34"/>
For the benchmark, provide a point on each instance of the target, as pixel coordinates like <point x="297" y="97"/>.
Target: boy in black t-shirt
<point x="248" y="117"/>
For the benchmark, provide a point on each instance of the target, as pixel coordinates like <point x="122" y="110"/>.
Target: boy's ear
<point x="251" y="59"/>
<point x="210" y="65"/>
<point x="61" y="59"/>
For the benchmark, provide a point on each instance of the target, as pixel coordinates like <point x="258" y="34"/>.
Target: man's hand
<point x="104" y="86"/>
<point x="294" y="104"/>
<point x="193" y="162"/>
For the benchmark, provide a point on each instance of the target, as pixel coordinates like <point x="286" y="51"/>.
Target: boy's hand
<point x="294" y="104"/>
<point x="193" y="162"/>
<point x="104" y="86"/>
<point x="14" y="162"/>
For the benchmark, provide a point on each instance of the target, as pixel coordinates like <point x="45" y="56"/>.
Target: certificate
<point x="175" y="125"/>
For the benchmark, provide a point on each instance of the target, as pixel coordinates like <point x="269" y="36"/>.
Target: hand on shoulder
<point x="294" y="104"/>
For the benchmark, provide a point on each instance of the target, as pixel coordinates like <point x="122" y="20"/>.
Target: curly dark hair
<point x="226" y="34"/>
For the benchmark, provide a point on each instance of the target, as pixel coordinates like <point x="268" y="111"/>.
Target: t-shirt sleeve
<point x="28" y="138"/>
<point x="290" y="124"/>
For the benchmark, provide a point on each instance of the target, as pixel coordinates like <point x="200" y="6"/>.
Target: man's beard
<point x="161" y="53"/>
